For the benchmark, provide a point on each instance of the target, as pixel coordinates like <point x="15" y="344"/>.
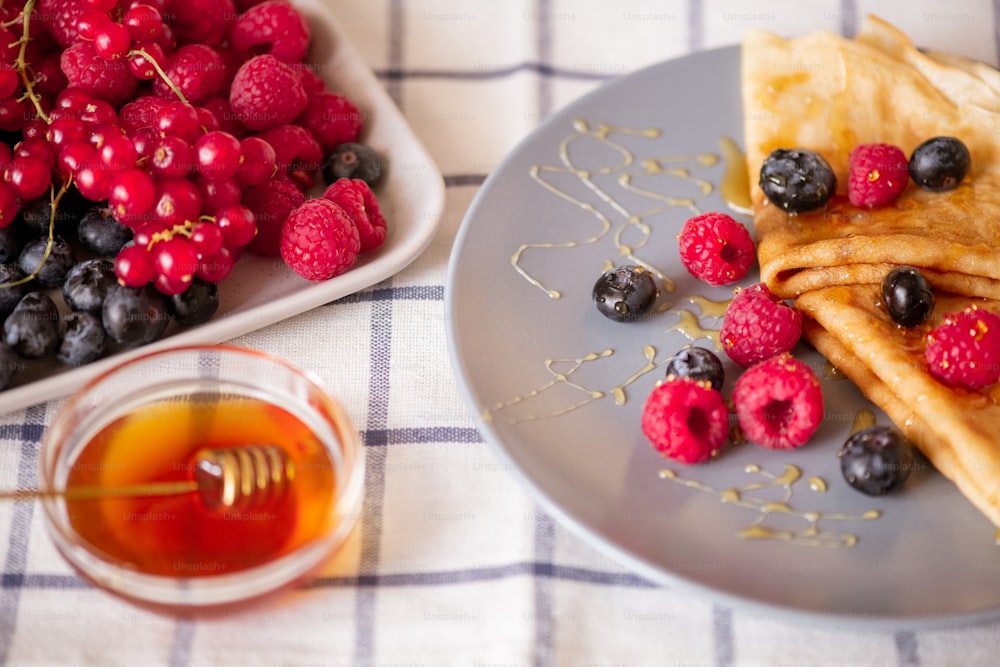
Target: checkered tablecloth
<point x="453" y="563"/>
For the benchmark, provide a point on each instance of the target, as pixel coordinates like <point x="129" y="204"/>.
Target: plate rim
<point x="858" y="621"/>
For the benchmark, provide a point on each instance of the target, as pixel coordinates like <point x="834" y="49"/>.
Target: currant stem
<point x="22" y="66"/>
<point x="159" y="71"/>
<point x="55" y="198"/>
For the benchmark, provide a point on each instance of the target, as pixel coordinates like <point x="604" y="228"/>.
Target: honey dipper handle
<point x="98" y="492"/>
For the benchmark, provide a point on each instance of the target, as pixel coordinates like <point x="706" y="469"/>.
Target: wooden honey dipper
<point x="247" y="477"/>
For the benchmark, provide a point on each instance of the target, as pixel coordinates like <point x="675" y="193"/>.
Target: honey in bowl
<point x="199" y="477"/>
<point x="194" y="533"/>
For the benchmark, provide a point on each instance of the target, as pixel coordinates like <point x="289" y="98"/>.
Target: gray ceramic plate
<point x="559" y="389"/>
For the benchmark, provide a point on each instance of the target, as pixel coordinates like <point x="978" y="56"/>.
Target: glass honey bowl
<point x="199" y="477"/>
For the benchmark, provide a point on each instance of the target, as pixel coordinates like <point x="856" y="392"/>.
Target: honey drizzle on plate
<point x="740" y="496"/>
<point x="627" y="169"/>
<point x="561" y="371"/>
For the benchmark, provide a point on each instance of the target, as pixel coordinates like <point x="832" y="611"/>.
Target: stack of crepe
<point x="828" y="93"/>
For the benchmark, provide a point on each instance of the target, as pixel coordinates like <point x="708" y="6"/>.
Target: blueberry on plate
<point x="134" y="316"/>
<point x="625" y="293"/>
<point x="940" y="163"/>
<point x="797" y="179"/>
<point x="83" y="339"/>
<point x="51" y="269"/>
<point x="700" y="364"/>
<point x="87" y="285"/>
<point x="32" y="329"/>
<point x="353" y="160"/>
<point x="9" y="296"/>
<point x="196" y="304"/>
<point x="876" y="460"/>
<point x="99" y="232"/>
<point x="907" y="296"/>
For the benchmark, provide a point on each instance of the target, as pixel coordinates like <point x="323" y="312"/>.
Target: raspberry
<point x="271" y="203"/>
<point x="197" y="70"/>
<point x="965" y="348"/>
<point x="716" y="248"/>
<point x="879" y="174"/>
<point x="332" y="119"/>
<point x="319" y="241"/>
<point x="297" y="152"/>
<point x="275" y="27"/>
<point x="686" y="420"/>
<point x="758" y="325"/>
<point x="778" y="402"/>
<point x="312" y="83"/>
<point x="60" y="17"/>
<point x="358" y="201"/>
<point x="108" y="80"/>
<point x="200" y="21"/>
<point x="266" y="93"/>
<point x="141" y="112"/>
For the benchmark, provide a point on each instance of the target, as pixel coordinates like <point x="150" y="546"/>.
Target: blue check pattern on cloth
<point x="453" y="563"/>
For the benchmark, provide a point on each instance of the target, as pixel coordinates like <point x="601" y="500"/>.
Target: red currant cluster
<point x="176" y="113"/>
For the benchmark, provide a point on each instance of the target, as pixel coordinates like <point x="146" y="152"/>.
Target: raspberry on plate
<point x="358" y="201"/>
<point x="965" y="348"/>
<point x="275" y="27"/>
<point x="778" y="402"/>
<point x="758" y="325"/>
<point x="716" y="248"/>
<point x="271" y="203"/>
<point x="319" y="240"/>
<point x="266" y="93"/>
<point x="686" y="420"/>
<point x="878" y="175"/>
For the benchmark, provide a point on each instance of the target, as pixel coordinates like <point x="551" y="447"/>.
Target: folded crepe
<point x="957" y="428"/>
<point x="830" y="93"/>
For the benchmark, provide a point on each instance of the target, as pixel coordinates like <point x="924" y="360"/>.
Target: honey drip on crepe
<point x="562" y="372"/>
<point x="628" y="229"/>
<point x="812" y="535"/>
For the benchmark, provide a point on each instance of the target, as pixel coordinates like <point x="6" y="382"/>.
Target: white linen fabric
<point x="453" y="563"/>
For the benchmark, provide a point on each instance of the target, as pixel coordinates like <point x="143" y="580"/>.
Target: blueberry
<point x="876" y="460"/>
<point x="54" y="268"/>
<point x="196" y="304"/>
<point x="907" y="296"/>
<point x="353" y="160"/>
<point x="101" y="233"/>
<point x="11" y="242"/>
<point x="32" y="329"/>
<point x="940" y="163"/>
<point x="10" y="364"/>
<point x="625" y="293"/>
<point x="700" y="364"/>
<point x="37" y="214"/>
<point x="9" y="296"/>
<point x="797" y="179"/>
<point x="83" y="339"/>
<point x="87" y="285"/>
<point x="134" y="316"/>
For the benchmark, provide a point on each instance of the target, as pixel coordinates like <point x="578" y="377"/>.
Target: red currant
<point x="179" y="119"/>
<point x="216" y="267"/>
<point x="73" y="156"/>
<point x="28" y="177"/>
<point x="64" y="131"/>
<point x="259" y="160"/>
<point x="131" y="195"/>
<point x="217" y="195"/>
<point x="238" y="225"/>
<point x="141" y="57"/>
<point x="118" y="153"/>
<point x="218" y="155"/>
<point x="206" y="238"/>
<point x="177" y="201"/>
<point x="111" y="40"/>
<point x="9" y="80"/>
<point x="175" y="259"/>
<point x="171" y="157"/>
<point x="92" y="180"/>
<point x="134" y="265"/>
<point x="8" y="208"/>
<point x="143" y="21"/>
